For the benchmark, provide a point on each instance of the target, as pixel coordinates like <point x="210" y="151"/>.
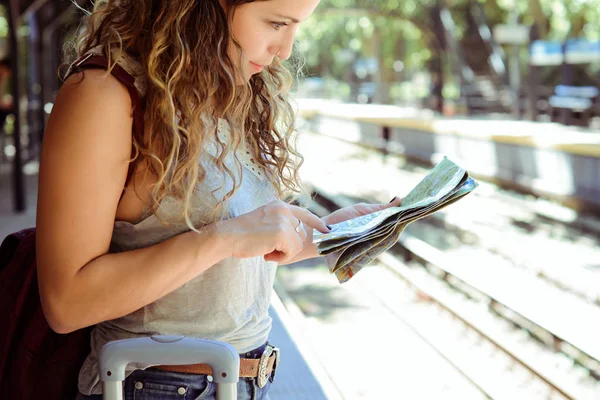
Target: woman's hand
<point x="357" y="210"/>
<point x="275" y="231"/>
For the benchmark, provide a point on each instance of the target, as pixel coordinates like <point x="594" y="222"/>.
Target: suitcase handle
<point x="169" y="350"/>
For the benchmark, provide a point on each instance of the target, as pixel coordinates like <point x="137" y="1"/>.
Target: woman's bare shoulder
<point x="95" y="83"/>
<point x="83" y="167"/>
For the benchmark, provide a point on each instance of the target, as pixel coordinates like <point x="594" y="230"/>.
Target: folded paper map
<point x="353" y="244"/>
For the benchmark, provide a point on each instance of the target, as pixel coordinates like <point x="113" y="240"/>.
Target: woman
<point x="188" y="243"/>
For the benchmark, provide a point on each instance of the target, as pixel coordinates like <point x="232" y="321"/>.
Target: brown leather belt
<point x="248" y="367"/>
<point x="262" y="369"/>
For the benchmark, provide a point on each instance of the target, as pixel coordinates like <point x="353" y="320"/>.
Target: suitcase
<point x="169" y="350"/>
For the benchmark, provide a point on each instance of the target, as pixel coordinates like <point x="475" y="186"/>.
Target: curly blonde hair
<point x="182" y="47"/>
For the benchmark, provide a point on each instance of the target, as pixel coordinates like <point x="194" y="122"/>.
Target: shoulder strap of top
<point x="91" y="61"/>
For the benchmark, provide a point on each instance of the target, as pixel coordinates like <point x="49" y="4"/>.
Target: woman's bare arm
<point x="83" y="169"/>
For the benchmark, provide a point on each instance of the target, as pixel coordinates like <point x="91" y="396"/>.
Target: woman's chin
<point x="247" y="77"/>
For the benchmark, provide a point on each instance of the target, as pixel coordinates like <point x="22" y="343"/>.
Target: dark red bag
<point x="36" y="362"/>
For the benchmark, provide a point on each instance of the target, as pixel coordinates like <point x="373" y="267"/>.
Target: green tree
<point x="399" y="33"/>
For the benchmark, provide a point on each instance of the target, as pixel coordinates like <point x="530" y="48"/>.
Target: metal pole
<point x="18" y="179"/>
<point x="532" y="76"/>
<point x="34" y="106"/>
<point x="566" y="115"/>
<point x="34" y="6"/>
<point x="41" y="117"/>
<point x="515" y="79"/>
<point x="47" y="74"/>
<point x="515" y="70"/>
<point x="438" y="61"/>
<point x="49" y="58"/>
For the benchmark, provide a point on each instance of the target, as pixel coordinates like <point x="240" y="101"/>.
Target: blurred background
<point x="454" y="56"/>
<point x="496" y="296"/>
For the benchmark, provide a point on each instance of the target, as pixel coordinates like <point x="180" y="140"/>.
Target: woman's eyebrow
<point x="294" y="20"/>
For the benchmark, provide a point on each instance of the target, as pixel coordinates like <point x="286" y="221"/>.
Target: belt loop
<point x="277" y="352"/>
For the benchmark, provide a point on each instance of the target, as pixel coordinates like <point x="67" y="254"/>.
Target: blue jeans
<point x="155" y="384"/>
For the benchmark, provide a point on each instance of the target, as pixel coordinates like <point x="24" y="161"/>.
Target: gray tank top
<point x="229" y="302"/>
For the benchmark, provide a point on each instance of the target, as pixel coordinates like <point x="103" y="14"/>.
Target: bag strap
<point x="91" y="61"/>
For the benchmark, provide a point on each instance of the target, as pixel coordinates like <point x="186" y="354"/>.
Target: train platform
<point x="496" y="127"/>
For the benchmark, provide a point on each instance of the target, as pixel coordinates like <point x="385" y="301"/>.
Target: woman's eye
<point x="278" y="25"/>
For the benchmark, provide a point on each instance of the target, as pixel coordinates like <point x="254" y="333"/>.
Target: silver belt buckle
<point x="263" y="377"/>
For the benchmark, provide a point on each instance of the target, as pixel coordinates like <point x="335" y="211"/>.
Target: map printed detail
<point x="351" y="245"/>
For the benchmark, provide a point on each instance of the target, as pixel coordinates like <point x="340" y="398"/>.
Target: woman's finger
<point x="396" y="202"/>
<point x="309" y="219"/>
<point x="364" y="208"/>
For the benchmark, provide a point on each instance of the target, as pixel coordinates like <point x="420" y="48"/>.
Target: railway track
<point x="503" y="354"/>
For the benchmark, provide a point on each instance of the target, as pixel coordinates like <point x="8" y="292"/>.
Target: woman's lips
<point x="257" y="67"/>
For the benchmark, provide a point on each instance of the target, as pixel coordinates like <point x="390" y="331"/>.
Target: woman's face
<point x="265" y="30"/>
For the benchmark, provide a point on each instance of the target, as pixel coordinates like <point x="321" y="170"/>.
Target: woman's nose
<point x="284" y="50"/>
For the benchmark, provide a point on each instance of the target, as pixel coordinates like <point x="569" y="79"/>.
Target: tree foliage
<point x="399" y="32"/>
